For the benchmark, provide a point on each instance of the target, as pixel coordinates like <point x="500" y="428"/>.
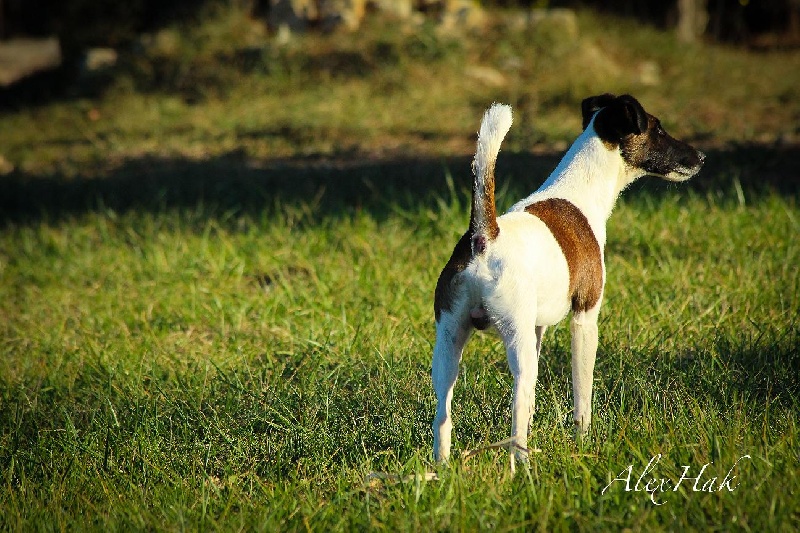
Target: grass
<point x="185" y="369"/>
<point x="204" y="327"/>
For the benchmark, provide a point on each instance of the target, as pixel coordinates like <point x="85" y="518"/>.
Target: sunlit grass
<point x="178" y="369"/>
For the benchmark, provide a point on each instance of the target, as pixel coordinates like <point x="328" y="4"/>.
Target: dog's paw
<point x="581" y="429"/>
<point x="519" y="457"/>
<point x="441" y="456"/>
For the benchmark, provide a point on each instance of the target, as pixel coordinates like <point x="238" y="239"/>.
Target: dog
<point x="527" y="269"/>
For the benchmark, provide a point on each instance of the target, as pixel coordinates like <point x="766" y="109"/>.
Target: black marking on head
<point x="622" y="122"/>
<point x="593" y="104"/>
<point x="659" y="154"/>
<point x="622" y="116"/>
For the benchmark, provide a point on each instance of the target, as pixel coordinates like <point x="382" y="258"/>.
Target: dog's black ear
<point x="593" y="104"/>
<point x="624" y="116"/>
<point x="635" y="117"/>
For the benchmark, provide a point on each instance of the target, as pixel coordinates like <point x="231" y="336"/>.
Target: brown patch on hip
<point x="574" y="235"/>
<point x="446" y="285"/>
<point x="462" y="254"/>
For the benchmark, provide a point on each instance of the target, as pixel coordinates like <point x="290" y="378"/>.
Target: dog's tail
<point x="483" y="219"/>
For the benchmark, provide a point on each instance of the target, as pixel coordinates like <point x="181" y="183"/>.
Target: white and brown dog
<point x="527" y="269"/>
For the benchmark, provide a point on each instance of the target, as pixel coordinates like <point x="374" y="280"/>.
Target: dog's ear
<point x="633" y="114"/>
<point x="624" y="116"/>
<point x="593" y="104"/>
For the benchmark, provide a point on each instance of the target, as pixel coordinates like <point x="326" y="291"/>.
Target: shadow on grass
<point x="233" y="184"/>
<point x="759" y="370"/>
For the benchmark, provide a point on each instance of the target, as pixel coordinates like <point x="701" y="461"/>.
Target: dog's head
<point x="621" y="121"/>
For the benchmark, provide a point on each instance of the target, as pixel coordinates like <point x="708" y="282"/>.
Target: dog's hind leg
<point x="539" y="338"/>
<point x="522" y="345"/>
<point x="452" y="332"/>
<point x="583" y="329"/>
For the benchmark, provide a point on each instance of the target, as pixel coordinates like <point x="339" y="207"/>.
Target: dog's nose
<point x="693" y="160"/>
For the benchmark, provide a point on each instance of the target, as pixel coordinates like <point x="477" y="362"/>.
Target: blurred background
<point x="121" y="102"/>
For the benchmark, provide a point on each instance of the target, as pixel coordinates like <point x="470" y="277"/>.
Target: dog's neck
<point x="591" y="177"/>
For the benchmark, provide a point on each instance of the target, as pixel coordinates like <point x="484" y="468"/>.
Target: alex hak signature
<point x="656" y="486"/>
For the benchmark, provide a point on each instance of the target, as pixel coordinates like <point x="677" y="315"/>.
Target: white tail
<point x="483" y="221"/>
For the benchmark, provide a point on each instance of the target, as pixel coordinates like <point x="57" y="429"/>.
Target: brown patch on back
<point x="444" y="294"/>
<point x="574" y="235"/>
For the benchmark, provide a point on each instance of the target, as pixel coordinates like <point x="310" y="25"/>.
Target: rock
<point x="346" y="13"/>
<point x="98" y="59"/>
<point x="300" y="15"/>
<point x="22" y="57"/>
<point x="403" y="9"/>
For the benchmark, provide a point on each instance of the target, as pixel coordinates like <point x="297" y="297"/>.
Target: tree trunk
<point x="692" y="19"/>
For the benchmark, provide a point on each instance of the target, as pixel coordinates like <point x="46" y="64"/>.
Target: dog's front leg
<point x="452" y="332"/>
<point x="583" y="328"/>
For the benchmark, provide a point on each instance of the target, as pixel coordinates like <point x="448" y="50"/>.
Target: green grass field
<point x="213" y="319"/>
